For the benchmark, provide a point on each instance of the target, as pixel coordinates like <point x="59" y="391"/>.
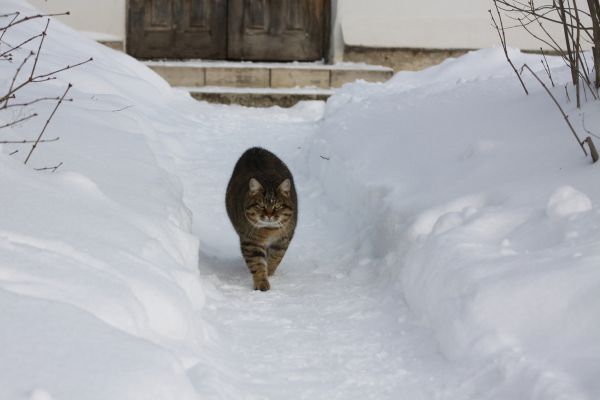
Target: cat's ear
<point x="254" y="186"/>
<point x="285" y="187"/>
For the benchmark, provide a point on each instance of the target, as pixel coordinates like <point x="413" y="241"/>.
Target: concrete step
<point x="113" y="44"/>
<point x="266" y="75"/>
<point x="257" y="97"/>
<point x="263" y="84"/>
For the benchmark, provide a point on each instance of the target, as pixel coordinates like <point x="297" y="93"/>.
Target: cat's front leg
<point x="256" y="259"/>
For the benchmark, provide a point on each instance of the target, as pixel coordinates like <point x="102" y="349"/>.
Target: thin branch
<point x="539" y="12"/>
<point x="502" y="35"/>
<point x="43" y="80"/>
<point x="37" y="56"/>
<point x="565" y="116"/>
<point x="577" y="48"/>
<point x="18" y="121"/>
<point x="585" y="76"/>
<point x="28" y="141"/>
<point x="47" y="122"/>
<point x="550" y="42"/>
<point x="16" y="15"/>
<point x="547" y="67"/>
<point x="587" y="130"/>
<point x="6" y="53"/>
<point x="50" y="168"/>
<point x="40" y="78"/>
<point x="11" y="89"/>
<point x="26" y="104"/>
<point x="30" y="17"/>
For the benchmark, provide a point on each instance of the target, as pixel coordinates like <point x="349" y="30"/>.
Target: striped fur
<point x="262" y="205"/>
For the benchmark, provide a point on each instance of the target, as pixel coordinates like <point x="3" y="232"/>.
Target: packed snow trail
<point x="324" y="330"/>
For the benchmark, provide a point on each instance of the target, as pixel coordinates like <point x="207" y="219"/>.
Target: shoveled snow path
<point x="328" y="329"/>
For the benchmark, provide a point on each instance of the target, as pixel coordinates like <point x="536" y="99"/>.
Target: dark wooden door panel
<point x="277" y="30"/>
<point x="177" y="28"/>
<point x="268" y="30"/>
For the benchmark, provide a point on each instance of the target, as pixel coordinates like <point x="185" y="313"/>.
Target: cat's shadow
<point x="230" y="269"/>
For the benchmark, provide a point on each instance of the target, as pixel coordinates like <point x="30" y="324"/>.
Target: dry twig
<point x="25" y="141"/>
<point x="47" y="123"/>
<point x="21" y="79"/>
<point x="502" y="35"/>
<point x="18" y="121"/>
<point x="547" y="67"/>
<point x="565" y="116"/>
<point x="53" y="169"/>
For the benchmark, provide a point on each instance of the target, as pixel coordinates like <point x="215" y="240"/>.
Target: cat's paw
<point x="262" y="285"/>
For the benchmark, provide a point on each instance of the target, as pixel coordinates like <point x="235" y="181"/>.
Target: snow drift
<point x="485" y="215"/>
<point x="99" y="285"/>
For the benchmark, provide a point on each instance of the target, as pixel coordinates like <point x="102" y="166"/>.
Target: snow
<point x="101" y="36"/>
<point x="315" y="65"/>
<point x="243" y="90"/>
<point x="447" y="245"/>
<point x="566" y="201"/>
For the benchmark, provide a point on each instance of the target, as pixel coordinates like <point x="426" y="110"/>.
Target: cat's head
<point x="269" y="207"/>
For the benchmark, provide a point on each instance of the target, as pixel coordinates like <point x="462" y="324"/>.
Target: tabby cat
<point x="263" y="208"/>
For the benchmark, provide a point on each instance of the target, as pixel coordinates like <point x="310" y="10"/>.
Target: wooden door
<point x="277" y="30"/>
<point x="177" y="29"/>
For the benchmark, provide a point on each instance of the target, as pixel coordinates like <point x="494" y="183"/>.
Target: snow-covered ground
<point x="447" y="247"/>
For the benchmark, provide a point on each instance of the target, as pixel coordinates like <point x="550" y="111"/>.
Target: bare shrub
<point x="580" y="29"/>
<point x="24" y="65"/>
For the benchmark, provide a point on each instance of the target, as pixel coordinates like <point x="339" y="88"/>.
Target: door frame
<point x="327" y="31"/>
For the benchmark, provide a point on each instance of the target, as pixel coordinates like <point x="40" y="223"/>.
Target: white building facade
<point x="375" y="24"/>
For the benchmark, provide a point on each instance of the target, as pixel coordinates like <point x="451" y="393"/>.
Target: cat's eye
<point x="277" y="207"/>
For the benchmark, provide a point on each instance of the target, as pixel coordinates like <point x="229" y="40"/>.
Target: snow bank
<point x="483" y="213"/>
<point x="99" y="288"/>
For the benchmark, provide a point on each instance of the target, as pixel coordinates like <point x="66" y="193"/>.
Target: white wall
<point x="103" y="19"/>
<point x="446" y="24"/>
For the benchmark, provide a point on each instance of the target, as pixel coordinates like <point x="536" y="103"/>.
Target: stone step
<point x="266" y="75"/>
<point x="113" y="44"/>
<point x="257" y="97"/>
